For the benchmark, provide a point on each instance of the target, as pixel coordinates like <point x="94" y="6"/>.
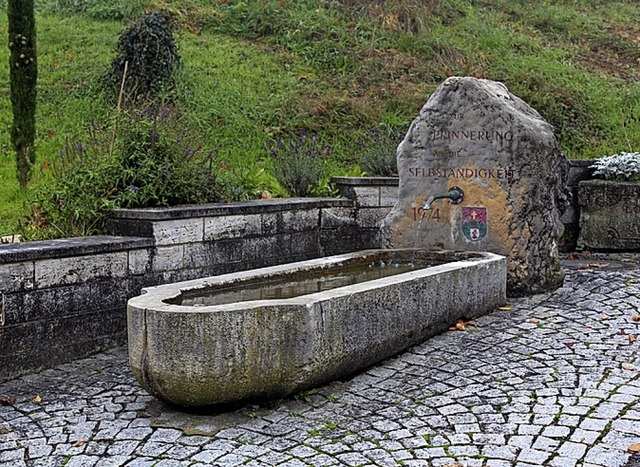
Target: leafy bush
<point x="378" y="152"/>
<point x="250" y="181"/>
<point x="299" y="161"/>
<point x="151" y="55"/>
<point x="622" y="166"/>
<point x="156" y="161"/>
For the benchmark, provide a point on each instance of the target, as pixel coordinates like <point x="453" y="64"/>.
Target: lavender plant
<point x="624" y="166"/>
<point x="378" y="151"/>
<point x="299" y="161"/>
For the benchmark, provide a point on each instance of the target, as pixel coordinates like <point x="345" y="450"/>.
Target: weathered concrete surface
<point x="476" y="135"/>
<point x="211" y="354"/>
<point x="553" y="381"/>
<point x="609" y="215"/>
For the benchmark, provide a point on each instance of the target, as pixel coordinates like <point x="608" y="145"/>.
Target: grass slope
<point x="253" y="69"/>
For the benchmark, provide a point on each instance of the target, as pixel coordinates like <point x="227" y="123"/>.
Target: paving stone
<point x="606" y="456"/>
<point x="533" y="456"/>
<point x="572" y="450"/>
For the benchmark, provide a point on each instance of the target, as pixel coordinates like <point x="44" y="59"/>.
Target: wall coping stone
<point x="65" y="247"/>
<point x="581" y="162"/>
<point x="366" y="181"/>
<point x="225" y="209"/>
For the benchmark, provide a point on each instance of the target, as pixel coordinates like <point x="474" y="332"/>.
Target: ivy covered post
<point x="23" y="71"/>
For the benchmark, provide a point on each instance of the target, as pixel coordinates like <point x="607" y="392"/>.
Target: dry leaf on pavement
<point x="6" y="400"/>
<point x="461" y="325"/>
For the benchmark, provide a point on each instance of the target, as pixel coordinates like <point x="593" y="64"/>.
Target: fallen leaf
<point x="504" y="308"/>
<point x="461" y="325"/>
<point x="6" y="400"/>
<point x="632" y="339"/>
<point x="605" y="317"/>
<point x="598" y="265"/>
<point x="3" y="431"/>
<point x="37" y="399"/>
<point x="628" y="366"/>
<point x="634" y="447"/>
<point x="534" y="321"/>
<point x="569" y="344"/>
<point x="635" y="318"/>
<point x="79" y="443"/>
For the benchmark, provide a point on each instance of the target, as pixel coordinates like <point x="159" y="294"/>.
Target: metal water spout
<point x="455" y="195"/>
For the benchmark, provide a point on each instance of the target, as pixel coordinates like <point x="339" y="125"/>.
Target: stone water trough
<point x="273" y="331"/>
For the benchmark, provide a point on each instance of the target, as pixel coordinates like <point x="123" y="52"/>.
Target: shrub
<point x="250" y="181"/>
<point x="378" y="152"/>
<point x="622" y="166"/>
<point x="156" y="162"/>
<point x="299" y="161"/>
<point x="148" y="48"/>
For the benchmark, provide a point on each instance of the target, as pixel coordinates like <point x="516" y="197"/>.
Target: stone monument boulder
<point x="497" y="177"/>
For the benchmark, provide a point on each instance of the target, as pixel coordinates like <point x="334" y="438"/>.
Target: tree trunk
<point x="23" y="70"/>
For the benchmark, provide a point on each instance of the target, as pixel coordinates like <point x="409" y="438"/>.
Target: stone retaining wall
<point x="65" y="299"/>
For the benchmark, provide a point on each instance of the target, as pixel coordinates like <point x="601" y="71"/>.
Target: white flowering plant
<point x="624" y="166"/>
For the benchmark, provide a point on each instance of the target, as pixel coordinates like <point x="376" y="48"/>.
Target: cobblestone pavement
<point x="552" y="382"/>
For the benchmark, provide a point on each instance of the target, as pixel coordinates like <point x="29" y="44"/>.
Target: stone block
<point x="388" y="196"/>
<point x="272" y="223"/>
<point x="79" y="269"/>
<point x="338" y="218"/>
<point x="140" y="262"/>
<point x="39" y="337"/>
<point x="300" y="221"/>
<point x="16" y="364"/>
<point x="304" y="244"/>
<point x="211" y="254"/>
<point x="172" y="232"/>
<point x="367" y="196"/>
<point x="609" y="215"/>
<point x="257" y="251"/>
<point x="334" y="242"/>
<point x="369" y="218"/>
<point x="168" y="258"/>
<point x="47" y="303"/>
<point x="225" y="227"/>
<point x="15" y="277"/>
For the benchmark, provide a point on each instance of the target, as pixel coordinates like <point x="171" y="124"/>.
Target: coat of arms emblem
<point x="474" y="223"/>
